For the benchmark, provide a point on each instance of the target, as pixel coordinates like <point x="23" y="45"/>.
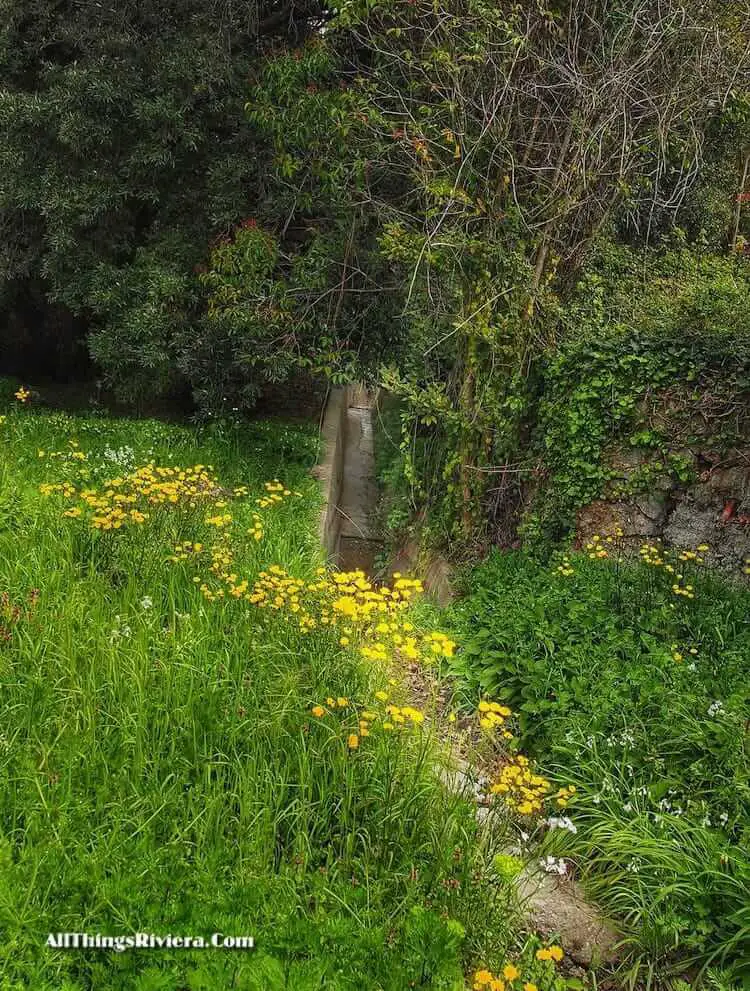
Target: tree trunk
<point x="738" y="203"/>
<point x="466" y="453"/>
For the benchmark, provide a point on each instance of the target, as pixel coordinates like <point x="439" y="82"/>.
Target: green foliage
<point x="384" y="160"/>
<point x="244" y="313"/>
<point x="254" y="329"/>
<point x="315" y="125"/>
<point x="440" y="205"/>
<point x="147" y="308"/>
<point x="160" y="770"/>
<point x="639" y="697"/>
<point x="417" y="239"/>
<point x="340" y="302"/>
<point x="647" y="370"/>
<point x="630" y="352"/>
<point x="125" y="153"/>
<point x="707" y="215"/>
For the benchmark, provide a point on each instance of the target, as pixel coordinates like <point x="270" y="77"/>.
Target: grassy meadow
<point x="202" y="730"/>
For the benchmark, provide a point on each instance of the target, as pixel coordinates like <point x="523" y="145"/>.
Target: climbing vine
<point x="643" y="384"/>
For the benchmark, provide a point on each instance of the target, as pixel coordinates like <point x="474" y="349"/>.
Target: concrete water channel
<point x="349" y="527"/>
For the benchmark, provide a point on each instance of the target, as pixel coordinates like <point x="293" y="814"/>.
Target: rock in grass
<point x="557" y="906"/>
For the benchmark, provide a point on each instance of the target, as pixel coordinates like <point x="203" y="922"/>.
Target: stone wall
<point x="713" y="510"/>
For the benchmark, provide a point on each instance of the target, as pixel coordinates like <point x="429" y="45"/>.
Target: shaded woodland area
<point x="200" y="199"/>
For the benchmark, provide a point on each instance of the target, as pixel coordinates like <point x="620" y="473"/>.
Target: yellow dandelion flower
<point x="482" y="978"/>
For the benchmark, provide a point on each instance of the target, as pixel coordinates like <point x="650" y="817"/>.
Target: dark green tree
<point x="125" y="149"/>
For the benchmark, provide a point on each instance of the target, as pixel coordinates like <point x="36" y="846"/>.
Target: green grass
<point x="159" y="767"/>
<point x="641" y="699"/>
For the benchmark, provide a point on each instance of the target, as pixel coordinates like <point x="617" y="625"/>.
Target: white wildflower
<point x="552" y="865"/>
<point x="562" y="822"/>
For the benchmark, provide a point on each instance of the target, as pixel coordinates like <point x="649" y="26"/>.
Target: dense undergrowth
<point x="632" y="677"/>
<point x="191" y="740"/>
<point x="204" y="730"/>
<point x="645" y="386"/>
<point x="657" y="367"/>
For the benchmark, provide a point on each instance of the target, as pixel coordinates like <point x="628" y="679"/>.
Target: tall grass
<point x="160" y="770"/>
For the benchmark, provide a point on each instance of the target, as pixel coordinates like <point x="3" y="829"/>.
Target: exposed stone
<point x="330" y="470"/>
<point x="692" y="524"/>
<point x="713" y="511"/>
<point x="438" y="579"/>
<point x="732" y="481"/>
<point x="462" y="780"/>
<point x="552" y="905"/>
<point x="436" y="569"/>
<point x="626" y="459"/>
<point x="359" y="493"/>
<point x="653" y="506"/>
<point x="348" y="523"/>
<point x="704" y="497"/>
<point x="636" y="521"/>
<point x="357" y="555"/>
<point x="557" y="906"/>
